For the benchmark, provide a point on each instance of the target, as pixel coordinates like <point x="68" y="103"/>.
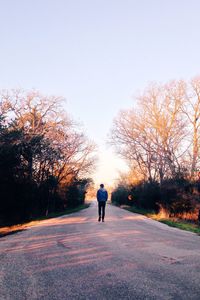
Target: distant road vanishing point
<point x="75" y="257"/>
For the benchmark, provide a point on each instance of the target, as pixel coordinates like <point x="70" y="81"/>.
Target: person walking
<point x="102" y="197"/>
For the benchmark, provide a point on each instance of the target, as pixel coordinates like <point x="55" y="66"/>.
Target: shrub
<point x="146" y="195"/>
<point x="120" y="195"/>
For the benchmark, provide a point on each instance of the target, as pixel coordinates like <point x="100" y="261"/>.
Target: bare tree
<point x="191" y="109"/>
<point x="65" y="151"/>
<point x="152" y="135"/>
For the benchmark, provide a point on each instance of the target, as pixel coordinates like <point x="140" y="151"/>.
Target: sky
<point x="98" y="55"/>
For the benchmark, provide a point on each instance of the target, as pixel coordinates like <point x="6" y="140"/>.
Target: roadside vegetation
<point x="45" y="158"/>
<point x="7" y="230"/>
<point x="180" y="223"/>
<point x="159" y="138"/>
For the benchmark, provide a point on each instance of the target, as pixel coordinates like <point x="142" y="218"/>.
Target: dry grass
<point x="17" y="228"/>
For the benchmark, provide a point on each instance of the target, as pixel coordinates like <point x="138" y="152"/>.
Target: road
<point x="75" y="257"/>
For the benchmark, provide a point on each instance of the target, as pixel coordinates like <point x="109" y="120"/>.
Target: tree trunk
<point x="195" y="152"/>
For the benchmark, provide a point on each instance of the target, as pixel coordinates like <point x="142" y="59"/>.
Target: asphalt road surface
<point x="75" y="257"/>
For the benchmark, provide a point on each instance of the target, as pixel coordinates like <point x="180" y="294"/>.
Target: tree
<point x="160" y="139"/>
<point x="191" y="109"/>
<point x="38" y="115"/>
<point x="151" y="136"/>
<point x="47" y="150"/>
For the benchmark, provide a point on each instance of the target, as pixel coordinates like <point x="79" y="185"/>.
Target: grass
<point x="65" y="212"/>
<point x="141" y="211"/>
<point x="184" y="225"/>
<point x="178" y="223"/>
<point x="8" y="230"/>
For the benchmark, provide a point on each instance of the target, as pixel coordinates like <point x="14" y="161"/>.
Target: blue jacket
<point x="102" y="195"/>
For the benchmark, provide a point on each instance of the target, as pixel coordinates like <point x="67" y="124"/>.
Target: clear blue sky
<point x="98" y="54"/>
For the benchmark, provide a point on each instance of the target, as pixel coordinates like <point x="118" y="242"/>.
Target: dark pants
<point x="102" y="205"/>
